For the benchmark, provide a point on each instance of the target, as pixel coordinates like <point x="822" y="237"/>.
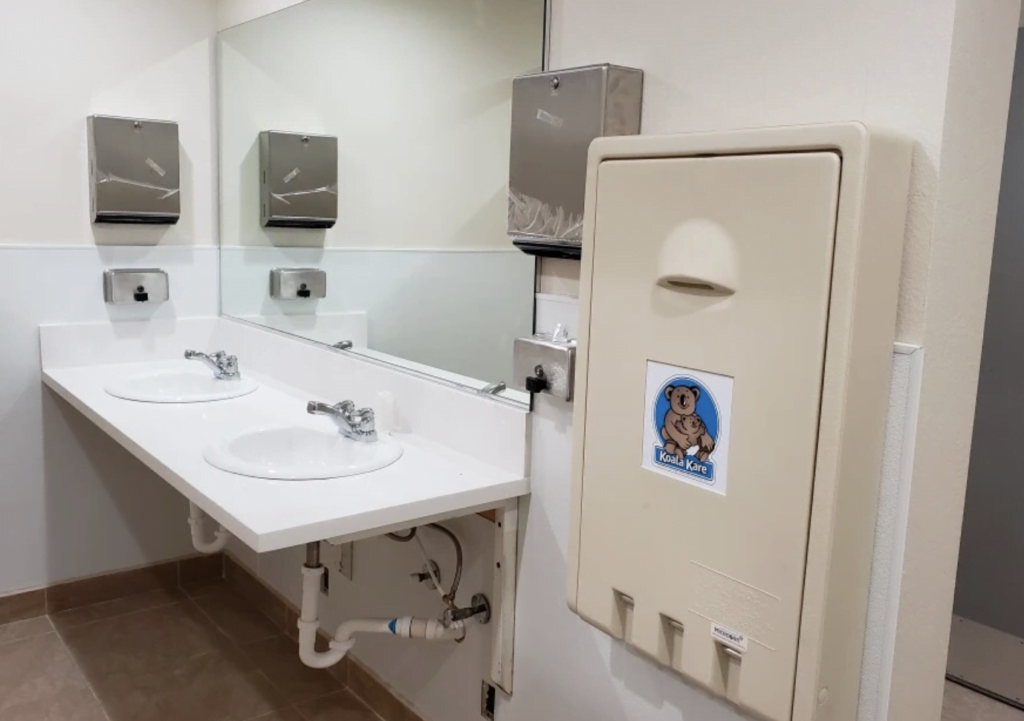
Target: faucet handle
<point x="229" y="363"/>
<point x="363" y="419"/>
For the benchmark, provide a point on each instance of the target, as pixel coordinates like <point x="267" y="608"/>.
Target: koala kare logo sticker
<point x="687" y="428"/>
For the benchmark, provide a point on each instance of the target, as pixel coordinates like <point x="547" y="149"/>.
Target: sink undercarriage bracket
<point x="506" y="567"/>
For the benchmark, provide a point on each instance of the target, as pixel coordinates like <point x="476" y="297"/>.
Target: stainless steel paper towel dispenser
<point x="555" y="116"/>
<point x="134" y="170"/>
<point x="298" y="180"/>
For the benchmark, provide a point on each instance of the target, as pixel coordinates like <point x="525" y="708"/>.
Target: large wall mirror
<point x="414" y="99"/>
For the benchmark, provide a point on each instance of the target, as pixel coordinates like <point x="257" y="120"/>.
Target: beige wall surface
<point x="954" y="299"/>
<point x="64" y="61"/>
<point x="937" y="71"/>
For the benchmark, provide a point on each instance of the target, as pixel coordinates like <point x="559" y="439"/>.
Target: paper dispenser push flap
<point x="708" y="313"/>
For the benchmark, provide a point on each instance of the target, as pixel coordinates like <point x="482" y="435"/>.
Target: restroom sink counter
<point x="431" y="481"/>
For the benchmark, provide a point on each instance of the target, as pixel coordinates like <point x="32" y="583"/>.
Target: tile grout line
<point x="132" y="612"/>
<point x="26" y="620"/>
<point x="288" y="606"/>
<point x="239" y="648"/>
<point x="367" y="705"/>
<point x="78" y="667"/>
<point x="71" y="654"/>
<point x="341" y="687"/>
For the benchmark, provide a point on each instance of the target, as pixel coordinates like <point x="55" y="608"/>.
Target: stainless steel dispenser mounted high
<point x="555" y="116"/>
<point x="134" y="170"/>
<point x="298" y="180"/>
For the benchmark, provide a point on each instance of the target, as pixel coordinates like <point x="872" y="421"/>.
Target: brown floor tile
<point x="245" y="585"/>
<point x="278" y="658"/>
<point x="142" y="643"/>
<point x="288" y="714"/>
<point x="25" y="629"/>
<point x="291" y="624"/>
<point x="20" y="606"/>
<point x="67" y="706"/>
<point x="100" y="589"/>
<point x="340" y="671"/>
<point x="236" y="617"/>
<point x="40" y="680"/>
<point x="337" y="707"/>
<point x="200" y="568"/>
<point x="210" y="687"/>
<point x="195" y="589"/>
<point x="119" y="607"/>
<point x="377" y="695"/>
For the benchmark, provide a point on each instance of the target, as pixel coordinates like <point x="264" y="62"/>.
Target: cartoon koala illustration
<point x="682" y="402"/>
<point x="682" y="428"/>
<point x="695" y="434"/>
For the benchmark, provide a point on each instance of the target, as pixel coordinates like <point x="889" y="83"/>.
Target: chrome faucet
<point x="224" y="366"/>
<point x="355" y="424"/>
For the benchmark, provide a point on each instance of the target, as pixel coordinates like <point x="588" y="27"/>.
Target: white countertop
<point x="429" y="482"/>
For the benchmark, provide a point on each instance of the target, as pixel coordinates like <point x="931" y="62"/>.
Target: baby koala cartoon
<point x="696" y="434"/>
<point x="682" y="428"/>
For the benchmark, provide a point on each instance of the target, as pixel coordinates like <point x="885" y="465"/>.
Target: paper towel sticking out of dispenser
<point x="555" y="116"/>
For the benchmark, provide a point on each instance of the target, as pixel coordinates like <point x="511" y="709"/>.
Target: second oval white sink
<point x="185" y="385"/>
<point x="299" y="453"/>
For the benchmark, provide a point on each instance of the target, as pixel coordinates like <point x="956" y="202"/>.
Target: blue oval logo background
<point x="707" y="409"/>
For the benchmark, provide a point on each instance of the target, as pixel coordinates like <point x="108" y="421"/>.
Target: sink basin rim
<point x="221" y="456"/>
<point x="220" y="390"/>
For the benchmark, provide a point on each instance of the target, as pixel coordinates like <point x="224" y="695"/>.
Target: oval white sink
<point x="186" y="385"/>
<point x="296" y="453"/>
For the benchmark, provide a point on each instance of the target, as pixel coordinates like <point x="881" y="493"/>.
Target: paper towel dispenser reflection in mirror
<point x="134" y="173"/>
<point x="298" y="180"/>
<point x="555" y="116"/>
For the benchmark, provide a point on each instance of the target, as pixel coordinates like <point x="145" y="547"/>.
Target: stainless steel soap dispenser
<point x="555" y="116"/>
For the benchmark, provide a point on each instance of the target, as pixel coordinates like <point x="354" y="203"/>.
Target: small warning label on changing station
<point x="727" y="637"/>
<point x="686" y="433"/>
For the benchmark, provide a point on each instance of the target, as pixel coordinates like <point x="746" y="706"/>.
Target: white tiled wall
<point x="72" y="502"/>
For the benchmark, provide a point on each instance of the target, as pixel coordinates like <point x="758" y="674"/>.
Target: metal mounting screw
<point x="137" y="125"/>
<point x="305" y="139"/>
<point x="555" y="82"/>
<point x="424" y="576"/>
